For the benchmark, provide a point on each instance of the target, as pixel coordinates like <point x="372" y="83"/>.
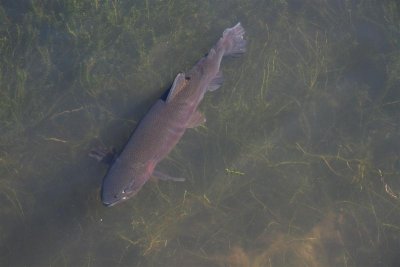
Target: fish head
<point x="122" y="183"/>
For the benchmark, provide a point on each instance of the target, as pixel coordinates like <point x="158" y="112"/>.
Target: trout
<point x="167" y="120"/>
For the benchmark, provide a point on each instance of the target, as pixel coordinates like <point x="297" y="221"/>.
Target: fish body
<point x="166" y="121"/>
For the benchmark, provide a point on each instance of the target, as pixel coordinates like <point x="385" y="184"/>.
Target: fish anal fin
<point x="216" y="82"/>
<point x="197" y="119"/>
<point x="178" y="85"/>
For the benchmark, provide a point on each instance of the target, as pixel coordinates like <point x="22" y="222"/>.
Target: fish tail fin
<point x="232" y="42"/>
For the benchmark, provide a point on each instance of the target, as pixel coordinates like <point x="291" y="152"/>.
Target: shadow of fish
<point x="165" y="123"/>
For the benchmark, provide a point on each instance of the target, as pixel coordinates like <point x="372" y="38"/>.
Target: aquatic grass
<point x="356" y="167"/>
<point x="297" y="148"/>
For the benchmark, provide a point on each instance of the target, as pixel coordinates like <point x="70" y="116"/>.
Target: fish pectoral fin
<point x="216" y="82"/>
<point x="103" y="154"/>
<point x="178" y="85"/>
<point x="165" y="177"/>
<point x="197" y="119"/>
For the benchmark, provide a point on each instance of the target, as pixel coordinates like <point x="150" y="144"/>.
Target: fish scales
<point x="166" y="121"/>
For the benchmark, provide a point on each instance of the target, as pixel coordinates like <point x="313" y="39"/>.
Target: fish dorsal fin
<point x="177" y="86"/>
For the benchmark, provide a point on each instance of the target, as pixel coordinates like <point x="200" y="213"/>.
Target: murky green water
<point x="297" y="165"/>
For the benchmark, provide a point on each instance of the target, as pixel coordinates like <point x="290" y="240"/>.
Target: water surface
<point x="297" y="165"/>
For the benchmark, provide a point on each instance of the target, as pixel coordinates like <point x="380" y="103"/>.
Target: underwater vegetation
<point x="297" y="165"/>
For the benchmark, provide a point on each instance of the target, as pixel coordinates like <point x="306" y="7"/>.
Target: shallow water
<point x="297" y="165"/>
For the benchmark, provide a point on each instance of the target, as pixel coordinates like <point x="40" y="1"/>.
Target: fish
<point x="164" y="124"/>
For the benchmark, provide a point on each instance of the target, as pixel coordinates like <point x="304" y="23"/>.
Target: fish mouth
<point x="110" y="203"/>
<point x="109" y="198"/>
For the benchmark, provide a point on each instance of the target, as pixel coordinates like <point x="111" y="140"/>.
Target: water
<point x="297" y="165"/>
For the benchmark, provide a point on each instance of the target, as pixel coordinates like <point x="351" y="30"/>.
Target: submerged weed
<point x="298" y="163"/>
